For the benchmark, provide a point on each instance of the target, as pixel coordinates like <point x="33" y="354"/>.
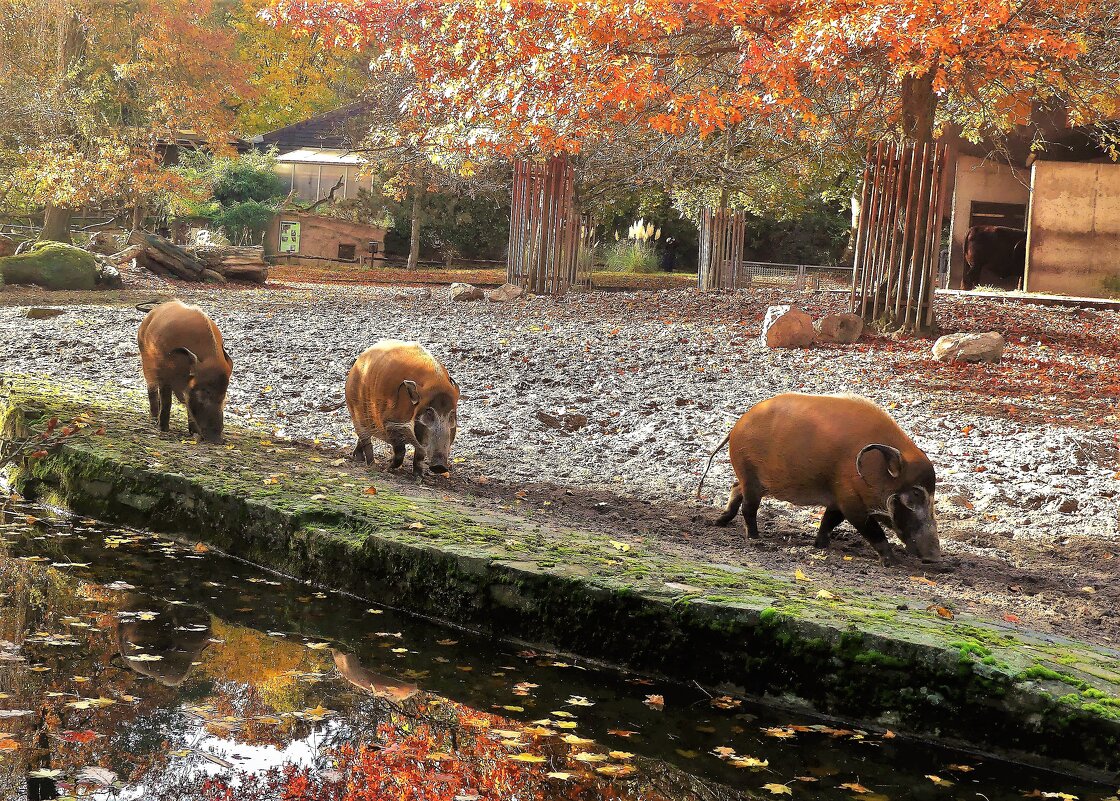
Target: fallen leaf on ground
<point x="941" y="611"/>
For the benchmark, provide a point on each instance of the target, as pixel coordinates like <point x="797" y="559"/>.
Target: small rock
<point x="108" y="276"/>
<point x="787" y="327"/>
<point x="505" y="293"/>
<point x="969" y="347"/>
<point x="1069" y="505"/>
<point x="41" y="313"/>
<point x="569" y="421"/>
<point x="549" y="420"/>
<point x="7" y="246"/>
<point x="842" y="328"/>
<point x="466" y="292"/>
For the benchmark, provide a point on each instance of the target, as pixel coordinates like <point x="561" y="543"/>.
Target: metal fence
<point x="762" y="274"/>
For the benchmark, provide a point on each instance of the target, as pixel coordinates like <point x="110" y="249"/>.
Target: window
<point x="346" y="252"/>
<point x="1012" y="215"/>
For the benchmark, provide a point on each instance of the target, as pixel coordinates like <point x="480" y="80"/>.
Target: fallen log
<point x="235" y="263"/>
<point x="170" y="258"/>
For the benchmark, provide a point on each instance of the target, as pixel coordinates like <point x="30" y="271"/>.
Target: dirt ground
<point x="600" y="409"/>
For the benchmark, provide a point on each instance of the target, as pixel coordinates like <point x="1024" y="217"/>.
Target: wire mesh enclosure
<point x="546" y="229"/>
<point x="898" y="236"/>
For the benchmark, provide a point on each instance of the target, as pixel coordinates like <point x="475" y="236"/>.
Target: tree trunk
<point x="56" y="225"/>
<point x="919" y="104"/>
<point x="414" y="242"/>
<point x="138" y="213"/>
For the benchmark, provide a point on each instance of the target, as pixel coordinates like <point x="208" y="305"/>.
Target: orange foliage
<point x="551" y="75"/>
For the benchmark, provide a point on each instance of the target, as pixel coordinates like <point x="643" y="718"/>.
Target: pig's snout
<point x="438" y="467"/>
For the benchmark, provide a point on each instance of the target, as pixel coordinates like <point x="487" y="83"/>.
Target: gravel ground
<point x="601" y="409"/>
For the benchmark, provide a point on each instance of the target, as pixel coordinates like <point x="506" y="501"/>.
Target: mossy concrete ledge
<point x="844" y="652"/>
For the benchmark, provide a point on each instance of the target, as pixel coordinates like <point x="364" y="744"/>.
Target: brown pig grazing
<point x="838" y="451"/>
<point x="399" y="393"/>
<point x="182" y="355"/>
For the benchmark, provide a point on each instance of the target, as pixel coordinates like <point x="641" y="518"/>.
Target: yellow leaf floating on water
<point x="778" y="789"/>
<point x="855" y="787"/>
<point x="749" y="762"/>
<point x="939" y="781"/>
<point x="575" y="739"/>
<point x="589" y="757"/>
<point x="565" y="724"/>
<point x="533" y="758"/>
<point x="510" y="708"/>
<point x="779" y="732"/>
<point x="559" y="774"/>
<point x="318" y="646"/>
<point x="621" y="755"/>
<point x="960" y="768"/>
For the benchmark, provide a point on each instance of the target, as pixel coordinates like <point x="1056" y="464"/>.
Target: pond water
<point x="136" y="667"/>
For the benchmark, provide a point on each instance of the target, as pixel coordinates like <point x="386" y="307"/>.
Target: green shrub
<point x="630" y="257"/>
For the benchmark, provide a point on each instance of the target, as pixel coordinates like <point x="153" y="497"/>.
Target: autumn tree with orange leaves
<point x="708" y="90"/>
<point x="92" y="92"/>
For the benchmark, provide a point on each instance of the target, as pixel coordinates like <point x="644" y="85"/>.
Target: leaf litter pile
<point x="134" y="666"/>
<point x="599" y="410"/>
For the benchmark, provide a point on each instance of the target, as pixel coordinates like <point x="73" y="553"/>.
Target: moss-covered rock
<point x="51" y="265"/>
<point x="863" y="656"/>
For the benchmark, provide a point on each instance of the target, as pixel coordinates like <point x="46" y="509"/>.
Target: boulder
<point x="787" y="327"/>
<point x="505" y="293"/>
<point x="466" y="292"/>
<point x="51" y="265"/>
<point x="969" y="347"/>
<point x="842" y="328"/>
<point x="43" y="313"/>
<point x="7" y="246"/>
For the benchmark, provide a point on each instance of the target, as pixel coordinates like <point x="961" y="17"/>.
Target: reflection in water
<point x="136" y="668"/>
<point x="162" y="643"/>
<point x="380" y="685"/>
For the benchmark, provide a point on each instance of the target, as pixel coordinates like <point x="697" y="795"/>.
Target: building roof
<point x="321" y="155"/>
<point x="339" y="129"/>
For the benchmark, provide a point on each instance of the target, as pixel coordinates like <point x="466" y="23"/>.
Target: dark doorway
<point x="1010" y="215"/>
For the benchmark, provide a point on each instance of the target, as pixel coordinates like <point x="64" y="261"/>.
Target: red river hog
<point x="182" y="355"/>
<point x="399" y="393"/>
<point x="841" y="452"/>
